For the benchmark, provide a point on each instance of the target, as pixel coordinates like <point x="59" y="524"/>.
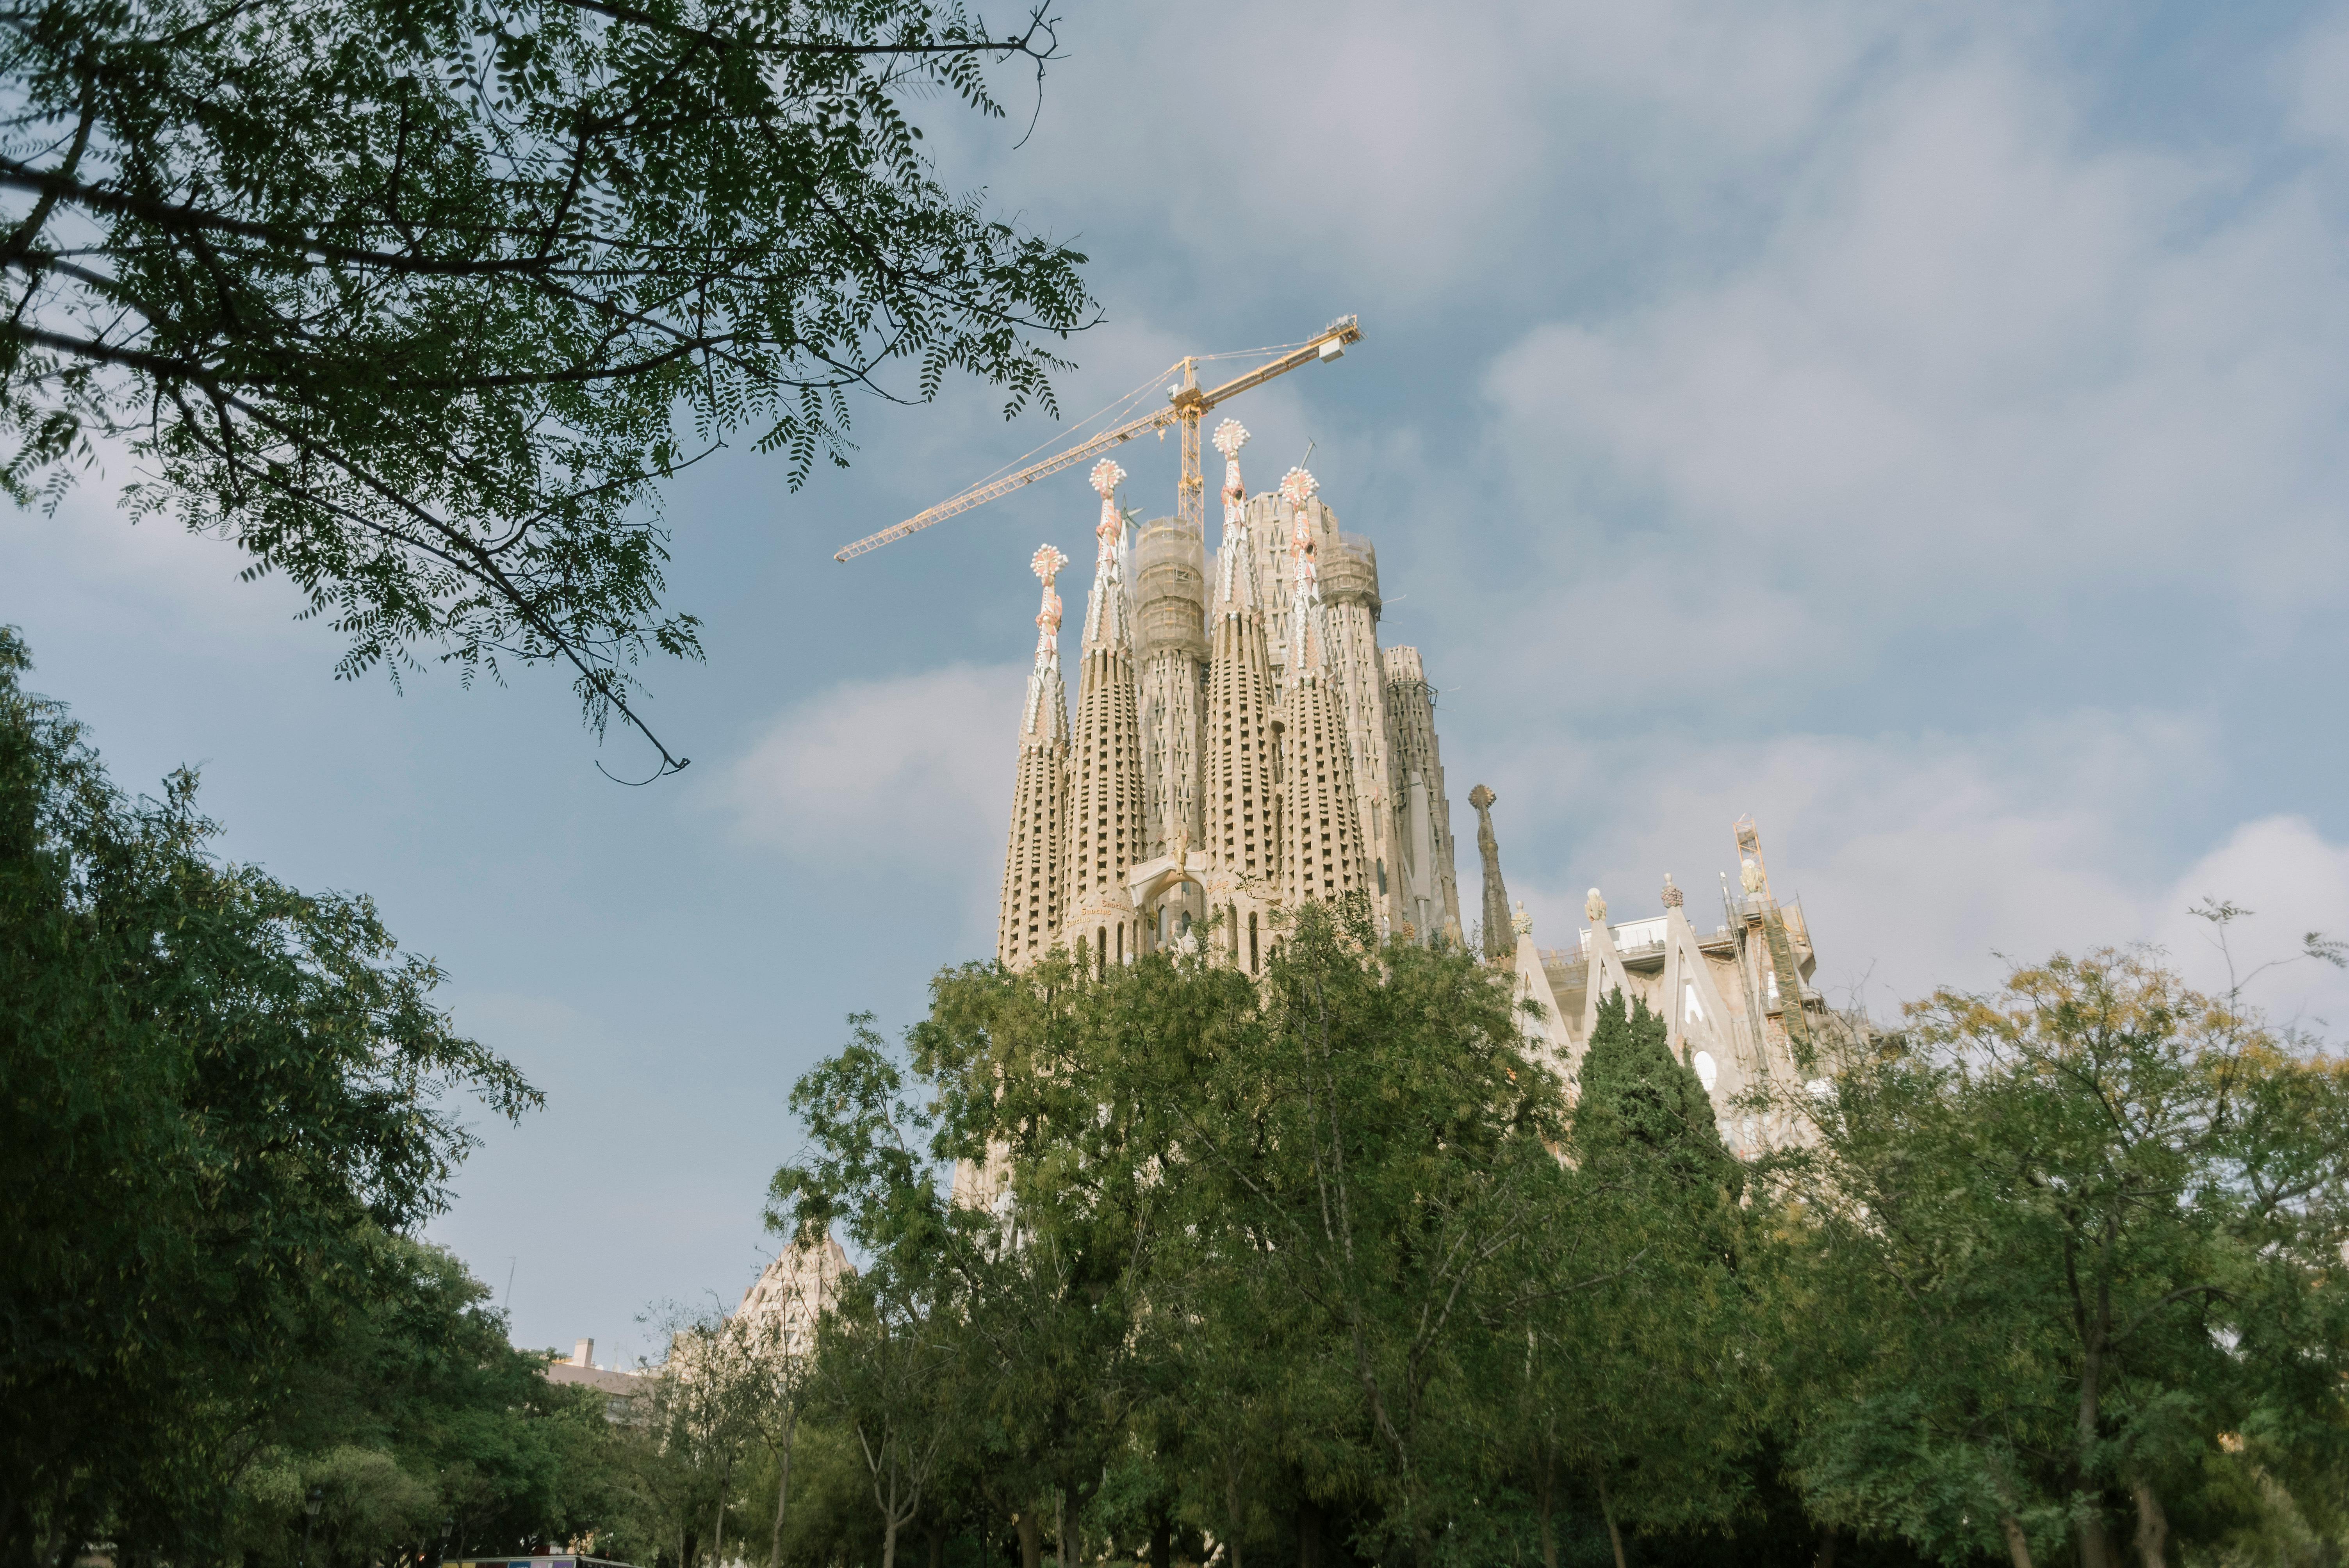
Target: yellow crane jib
<point x="1187" y="403"/>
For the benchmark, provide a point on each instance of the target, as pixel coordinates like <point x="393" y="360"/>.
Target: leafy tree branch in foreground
<point x="225" y="1105"/>
<point x="418" y="300"/>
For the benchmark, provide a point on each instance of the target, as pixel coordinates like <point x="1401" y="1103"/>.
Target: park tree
<point x="1058" y="1082"/>
<point x="422" y="1430"/>
<point x="2091" y="1226"/>
<point x="1367" y="1141"/>
<point x="221" y="1101"/>
<point x="886" y="1352"/>
<point x="1648" y="1263"/>
<point x="418" y="301"/>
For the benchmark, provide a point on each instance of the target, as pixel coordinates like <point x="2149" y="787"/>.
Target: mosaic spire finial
<point x="1046" y="563"/>
<point x="1106" y="477"/>
<point x="1230" y="436"/>
<point x="1298" y="486"/>
<point x="1106" y="609"/>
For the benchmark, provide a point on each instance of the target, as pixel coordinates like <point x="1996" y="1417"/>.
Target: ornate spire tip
<point x="1047" y="562"/>
<point x="1107" y="475"/>
<point x="1230" y="436"/>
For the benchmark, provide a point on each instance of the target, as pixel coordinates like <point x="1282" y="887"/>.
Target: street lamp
<point x="310" y="1506"/>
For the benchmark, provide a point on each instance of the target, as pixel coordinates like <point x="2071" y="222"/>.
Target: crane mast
<point x="1188" y="403"/>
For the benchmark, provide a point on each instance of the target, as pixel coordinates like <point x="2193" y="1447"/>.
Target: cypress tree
<point x="1643" y="1110"/>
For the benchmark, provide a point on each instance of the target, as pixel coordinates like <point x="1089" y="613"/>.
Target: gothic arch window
<point x="1082" y="958"/>
<point x="1253" y="967"/>
<point x="1101" y="951"/>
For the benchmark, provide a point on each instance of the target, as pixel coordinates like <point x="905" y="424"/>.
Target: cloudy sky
<point x="1921" y="427"/>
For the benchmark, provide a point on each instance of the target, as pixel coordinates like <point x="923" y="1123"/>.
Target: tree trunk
<point x="2095" y="1548"/>
<point x="1614" y="1531"/>
<point x="783" y="1487"/>
<point x="1162" y="1542"/>
<point x="2018" y="1549"/>
<point x="718" y="1536"/>
<point x="937" y="1546"/>
<point x="1825" y="1559"/>
<point x="1068" y="1544"/>
<point x="1031" y="1539"/>
<point x="1546" y="1508"/>
<point x="889" y="1541"/>
<point x="2152" y="1524"/>
<point x="1308" y="1534"/>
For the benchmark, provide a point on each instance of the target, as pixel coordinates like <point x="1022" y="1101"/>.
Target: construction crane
<point x="1186" y="404"/>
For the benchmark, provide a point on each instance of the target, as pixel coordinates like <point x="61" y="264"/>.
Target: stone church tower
<point x="1033" y="883"/>
<point x="1320" y="829"/>
<point x="1241" y="848"/>
<point x="1106" y="832"/>
<point x="1241" y="745"/>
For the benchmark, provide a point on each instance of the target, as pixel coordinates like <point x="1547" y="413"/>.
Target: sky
<point x="1919" y="426"/>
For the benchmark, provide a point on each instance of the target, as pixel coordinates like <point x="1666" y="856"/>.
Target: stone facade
<point x="1241" y="743"/>
<point x="1107" y="834"/>
<point x="1427" y="893"/>
<point x="792" y="1292"/>
<point x="1034" y="882"/>
<point x="1727" y="1012"/>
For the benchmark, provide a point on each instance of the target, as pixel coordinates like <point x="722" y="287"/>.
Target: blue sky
<point x="1921" y="427"/>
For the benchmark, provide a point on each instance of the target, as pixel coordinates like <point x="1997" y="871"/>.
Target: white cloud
<point x="914" y="771"/>
<point x="1917" y="858"/>
<point x="2292" y="882"/>
<point x="2315" y="82"/>
<point x="1984" y="373"/>
<point x="89" y="557"/>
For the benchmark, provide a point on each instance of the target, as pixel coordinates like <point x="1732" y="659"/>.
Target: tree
<point x="885" y="1353"/>
<point x="218" y="1098"/>
<point x="1624" y="1372"/>
<point x="1659" y="1235"/>
<point x="1054" y="1079"/>
<point x="423" y="1429"/>
<point x="775" y="1351"/>
<point x="1369" y="1142"/>
<point x="2092" y="1224"/>
<point x="418" y="299"/>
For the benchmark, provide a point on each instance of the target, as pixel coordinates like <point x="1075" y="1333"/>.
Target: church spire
<point x="1045" y="719"/>
<point x="1239" y="798"/>
<point x="1106" y="837"/>
<point x="1105" y="620"/>
<point x="1321" y="834"/>
<point x="1029" y="922"/>
<point x="1498" y="944"/>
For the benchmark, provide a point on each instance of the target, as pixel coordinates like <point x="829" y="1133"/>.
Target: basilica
<point x="1242" y="744"/>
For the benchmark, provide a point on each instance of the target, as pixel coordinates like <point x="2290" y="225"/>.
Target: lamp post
<point x="310" y="1506"/>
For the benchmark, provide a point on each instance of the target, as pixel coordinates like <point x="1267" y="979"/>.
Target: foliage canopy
<point x="418" y="300"/>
